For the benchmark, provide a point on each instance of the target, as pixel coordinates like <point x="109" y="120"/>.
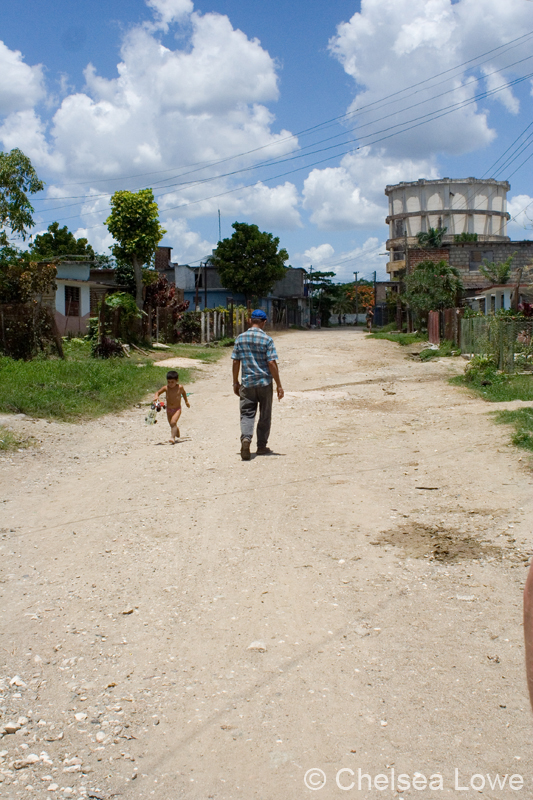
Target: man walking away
<point x="254" y="350"/>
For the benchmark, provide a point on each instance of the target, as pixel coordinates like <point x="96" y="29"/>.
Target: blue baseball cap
<point x="259" y="314"/>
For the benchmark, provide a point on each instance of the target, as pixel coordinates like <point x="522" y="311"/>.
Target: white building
<point x="463" y="205"/>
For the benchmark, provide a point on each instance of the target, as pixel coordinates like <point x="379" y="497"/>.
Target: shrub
<point x="188" y="327"/>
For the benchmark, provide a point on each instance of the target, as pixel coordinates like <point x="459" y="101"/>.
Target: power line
<point x="422" y="120"/>
<point x="301" y="154"/>
<point x="350" y="114"/>
<point x="506" y="151"/>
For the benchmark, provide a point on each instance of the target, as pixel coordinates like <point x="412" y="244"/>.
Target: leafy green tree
<point x="59" y="242"/>
<point x="432" y="239"/>
<point x="249" y="262"/>
<point x="323" y="292"/>
<point x="342" y="305"/>
<point x="497" y="273"/>
<point x="17" y="179"/>
<point x="21" y="279"/>
<point x="432" y="286"/>
<point x="134" y="224"/>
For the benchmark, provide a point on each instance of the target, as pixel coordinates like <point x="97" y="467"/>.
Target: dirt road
<point x="178" y="623"/>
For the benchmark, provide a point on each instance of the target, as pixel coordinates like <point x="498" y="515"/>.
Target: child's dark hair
<point x="172" y="375"/>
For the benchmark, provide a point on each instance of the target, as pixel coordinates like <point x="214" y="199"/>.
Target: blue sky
<point x="194" y="99"/>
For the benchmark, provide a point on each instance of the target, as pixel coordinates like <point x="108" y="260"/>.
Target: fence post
<point x="215" y="325"/>
<point x="208" y="329"/>
<point x="202" y="326"/>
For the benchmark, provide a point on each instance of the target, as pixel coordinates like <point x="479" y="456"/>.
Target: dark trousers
<point x="251" y="397"/>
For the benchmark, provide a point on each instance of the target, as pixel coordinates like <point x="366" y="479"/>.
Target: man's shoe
<point x="264" y="451"/>
<point x="245" y="450"/>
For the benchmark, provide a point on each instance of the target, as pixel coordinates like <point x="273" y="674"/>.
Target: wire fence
<point x="505" y="340"/>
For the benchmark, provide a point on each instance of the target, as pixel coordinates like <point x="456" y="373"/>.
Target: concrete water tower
<point x="463" y="205"/>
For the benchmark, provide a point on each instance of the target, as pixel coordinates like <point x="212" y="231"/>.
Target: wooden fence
<point x="445" y="324"/>
<point x="216" y="325"/>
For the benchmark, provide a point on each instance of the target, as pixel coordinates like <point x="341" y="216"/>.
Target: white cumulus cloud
<point x="188" y="246"/>
<point x="168" y="11"/>
<point x="316" y="256"/>
<point x="175" y="118"/>
<point x="21" y="86"/>
<point x="387" y="47"/>
<point x="365" y="258"/>
<point x="520" y="226"/>
<point x="274" y="206"/>
<point x="503" y="92"/>
<point x="352" y="195"/>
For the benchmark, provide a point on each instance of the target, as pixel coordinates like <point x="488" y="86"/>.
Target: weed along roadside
<point x="484" y="380"/>
<point x="81" y="387"/>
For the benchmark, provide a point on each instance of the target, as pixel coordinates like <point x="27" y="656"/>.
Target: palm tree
<point x="432" y="239"/>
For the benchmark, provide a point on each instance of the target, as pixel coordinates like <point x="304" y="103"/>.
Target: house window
<point x="72" y="301"/>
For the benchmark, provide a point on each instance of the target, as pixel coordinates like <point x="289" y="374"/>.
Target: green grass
<point x="497" y="388"/>
<point x="11" y="441"/>
<point x="522" y="421"/>
<point x="201" y="352"/>
<point x="446" y="349"/>
<point x="387" y="328"/>
<point x="82" y="387"/>
<point x="400" y="338"/>
<point x="77" y="388"/>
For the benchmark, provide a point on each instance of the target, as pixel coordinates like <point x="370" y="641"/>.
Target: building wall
<point x="74" y="270"/>
<point x="416" y="256"/>
<point x="85" y="297"/>
<point x="464" y="205"/>
<point x="163" y="257"/>
<point x="461" y="255"/>
<point x="291" y="285"/>
<point x="184" y="277"/>
<point x="69" y="324"/>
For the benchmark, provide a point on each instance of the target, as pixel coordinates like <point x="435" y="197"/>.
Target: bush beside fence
<point x="27" y="329"/>
<point x="506" y="341"/>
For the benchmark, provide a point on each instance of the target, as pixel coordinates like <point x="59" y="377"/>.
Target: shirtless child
<point x="174" y="393"/>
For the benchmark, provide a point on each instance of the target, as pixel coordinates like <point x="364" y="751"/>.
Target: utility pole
<point x="310" y="285"/>
<point x="356" y="298"/>
<point x="219" y="228"/>
<point x="196" y="298"/>
<point x="205" y="284"/>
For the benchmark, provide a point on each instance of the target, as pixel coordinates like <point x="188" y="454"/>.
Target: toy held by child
<point x="150" y="418"/>
<point x="174" y="393"/>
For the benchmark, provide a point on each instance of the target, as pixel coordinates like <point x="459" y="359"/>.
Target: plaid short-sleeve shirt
<point x="254" y="349"/>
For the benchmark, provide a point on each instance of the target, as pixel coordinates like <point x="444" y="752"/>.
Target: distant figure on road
<point x="369" y="317"/>
<point x="344" y="319"/>
<point x="318" y="321"/>
<point x="255" y="351"/>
